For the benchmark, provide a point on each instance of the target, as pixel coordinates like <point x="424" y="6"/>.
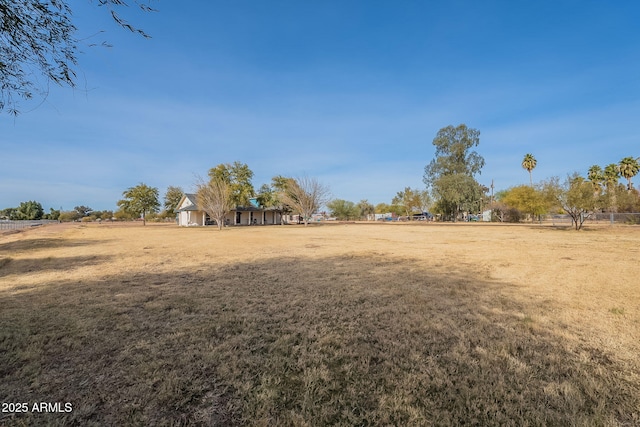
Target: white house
<point x="190" y="215"/>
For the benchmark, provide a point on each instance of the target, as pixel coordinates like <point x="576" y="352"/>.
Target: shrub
<point x="514" y="215"/>
<point x="68" y="216"/>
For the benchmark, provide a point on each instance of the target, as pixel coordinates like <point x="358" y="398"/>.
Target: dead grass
<point x="333" y="325"/>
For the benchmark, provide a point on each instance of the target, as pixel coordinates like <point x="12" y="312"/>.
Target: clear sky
<point x="349" y="92"/>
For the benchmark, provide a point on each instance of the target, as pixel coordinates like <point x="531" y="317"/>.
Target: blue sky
<point x="349" y="92"/>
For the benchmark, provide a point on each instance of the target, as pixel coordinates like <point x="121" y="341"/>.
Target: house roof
<point x="187" y="203"/>
<point x="248" y="209"/>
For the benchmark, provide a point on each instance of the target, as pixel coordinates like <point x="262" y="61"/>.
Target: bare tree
<point x="214" y="197"/>
<point x="305" y="196"/>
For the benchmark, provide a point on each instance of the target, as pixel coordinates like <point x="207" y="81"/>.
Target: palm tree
<point x="529" y="163"/>
<point x="611" y="176"/>
<point x="596" y="177"/>
<point x="629" y="168"/>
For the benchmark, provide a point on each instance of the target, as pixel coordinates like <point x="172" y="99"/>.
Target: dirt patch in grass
<point x="343" y="325"/>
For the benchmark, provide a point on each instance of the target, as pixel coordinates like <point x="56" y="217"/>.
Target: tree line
<point x="33" y="211"/>
<point x="229" y="186"/>
<point x="451" y="186"/>
<point x="578" y="196"/>
<point x="452" y="192"/>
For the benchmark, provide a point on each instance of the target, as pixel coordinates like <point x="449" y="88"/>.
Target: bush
<point x="68" y="216"/>
<point x="153" y="217"/>
<point x="514" y="215"/>
<point x="121" y="215"/>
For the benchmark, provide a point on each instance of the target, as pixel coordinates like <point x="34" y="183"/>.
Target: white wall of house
<point x="191" y="218"/>
<point x="197" y="218"/>
<point x="272" y="217"/>
<point x="182" y="218"/>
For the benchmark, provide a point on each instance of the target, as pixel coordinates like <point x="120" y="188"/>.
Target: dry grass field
<point x="345" y="324"/>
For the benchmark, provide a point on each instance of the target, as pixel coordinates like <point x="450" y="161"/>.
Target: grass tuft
<point x="4" y="261"/>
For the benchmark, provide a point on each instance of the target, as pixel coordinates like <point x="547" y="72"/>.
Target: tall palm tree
<point x="629" y="168"/>
<point x="596" y="177"/>
<point x="529" y="163"/>
<point x="611" y="176"/>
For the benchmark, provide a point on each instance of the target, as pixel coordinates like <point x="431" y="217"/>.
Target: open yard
<point x="345" y="324"/>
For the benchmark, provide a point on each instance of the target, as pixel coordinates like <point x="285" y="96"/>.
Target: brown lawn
<point x="345" y="324"/>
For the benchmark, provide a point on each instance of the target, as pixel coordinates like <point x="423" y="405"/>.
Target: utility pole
<point x="491" y="192"/>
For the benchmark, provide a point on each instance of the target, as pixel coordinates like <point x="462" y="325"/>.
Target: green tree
<point x="68" y="216"/>
<point x="526" y="199"/>
<point x="266" y="196"/>
<point x="30" y="210"/>
<point x="450" y="175"/>
<point x="628" y="200"/>
<point x="38" y="46"/>
<point x="453" y="153"/>
<point x="384" y="208"/>
<point x="629" y="168"/>
<point x="595" y="175"/>
<point x="140" y="200"/>
<point x="456" y="193"/>
<point x="270" y="195"/>
<point x="409" y="200"/>
<point x="425" y="201"/>
<point x="365" y="208"/>
<point x="53" y="214"/>
<point x="102" y="215"/>
<point x="529" y="163"/>
<point x="172" y="197"/>
<point x="83" y="210"/>
<point x="575" y="197"/>
<point x="123" y="215"/>
<point x="238" y="176"/>
<point x="343" y="209"/>
<point x="279" y="182"/>
<point x="611" y="176"/>
<point x="8" y="213"/>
